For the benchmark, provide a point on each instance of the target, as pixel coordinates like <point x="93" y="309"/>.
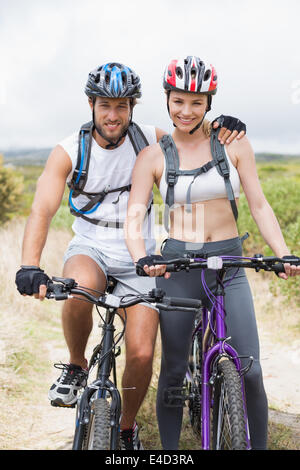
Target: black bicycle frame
<point x="103" y="386"/>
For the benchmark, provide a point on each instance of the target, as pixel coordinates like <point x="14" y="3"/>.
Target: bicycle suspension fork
<point x="219" y="349"/>
<point x="102" y="385"/>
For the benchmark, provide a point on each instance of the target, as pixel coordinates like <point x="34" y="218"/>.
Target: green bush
<point x="283" y="194"/>
<point x="11" y="188"/>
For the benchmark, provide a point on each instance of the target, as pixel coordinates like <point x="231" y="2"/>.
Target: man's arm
<point x="48" y="196"/>
<point x="231" y="129"/>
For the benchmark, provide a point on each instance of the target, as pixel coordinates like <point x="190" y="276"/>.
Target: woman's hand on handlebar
<point x="291" y="270"/>
<point x="153" y="270"/>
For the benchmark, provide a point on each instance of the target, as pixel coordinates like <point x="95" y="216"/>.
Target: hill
<point x="275" y="157"/>
<point x="38" y="156"/>
<point x="28" y="156"/>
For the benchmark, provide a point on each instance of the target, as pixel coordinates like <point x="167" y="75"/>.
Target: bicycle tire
<point x="228" y="416"/>
<point x="98" y="431"/>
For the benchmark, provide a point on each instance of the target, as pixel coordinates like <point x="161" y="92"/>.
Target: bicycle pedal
<point x="62" y="405"/>
<point x="175" y="397"/>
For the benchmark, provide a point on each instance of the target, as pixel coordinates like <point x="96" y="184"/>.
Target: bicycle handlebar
<point x="64" y="288"/>
<point x="257" y="262"/>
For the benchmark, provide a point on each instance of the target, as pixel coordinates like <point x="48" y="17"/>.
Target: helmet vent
<point x="179" y="72"/>
<point x="124" y="78"/>
<point x="97" y="77"/>
<point x="207" y="75"/>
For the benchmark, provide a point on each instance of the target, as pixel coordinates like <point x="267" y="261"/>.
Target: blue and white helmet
<point x="113" y="80"/>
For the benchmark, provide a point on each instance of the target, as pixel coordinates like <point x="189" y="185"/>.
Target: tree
<point x="11" y="188"/>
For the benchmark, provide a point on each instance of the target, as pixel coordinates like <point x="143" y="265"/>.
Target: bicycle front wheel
<point x="228" y="417"/>
<point x="98" y="430"/>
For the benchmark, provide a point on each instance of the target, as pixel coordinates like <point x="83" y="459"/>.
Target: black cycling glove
<point x="231" y="123"/>
<point x="149" y="260"/>
<point x="29" y="279"/>
<point x="289" y="257"/>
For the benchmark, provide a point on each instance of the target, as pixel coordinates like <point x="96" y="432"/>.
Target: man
<point x="99" y="184"/>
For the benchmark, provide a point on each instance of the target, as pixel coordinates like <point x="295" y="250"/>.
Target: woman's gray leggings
<point x="176" y="332"/>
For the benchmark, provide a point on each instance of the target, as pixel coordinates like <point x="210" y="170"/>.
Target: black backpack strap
<point x="137" y="137"/>
<point x="222" y="165"/>
<point x="203" y="169"/>
<point x="80" y="173"/>
<point x="101" y="222"/>
<point x="95" y="198"/>
<point x="170" y="152"/>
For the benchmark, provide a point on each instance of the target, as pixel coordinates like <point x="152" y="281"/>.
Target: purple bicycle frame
<point x="208" y="357"/>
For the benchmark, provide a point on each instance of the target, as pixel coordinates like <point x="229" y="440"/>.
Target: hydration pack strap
<point x="80" y="174"/>
<point x="96" y="198"/>
<point x="222" y="165"/>
<point x="172" y="172"/>
<point x="137" y="138"/>
<point x="170" y="152"/>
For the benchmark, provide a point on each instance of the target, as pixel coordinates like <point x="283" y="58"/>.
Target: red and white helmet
<point x="191" y="75"/>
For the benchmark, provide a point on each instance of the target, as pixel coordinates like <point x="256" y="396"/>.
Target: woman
<point x="201" y="220"/>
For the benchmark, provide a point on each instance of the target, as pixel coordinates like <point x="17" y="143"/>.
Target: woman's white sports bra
<point x="207" y="186"/>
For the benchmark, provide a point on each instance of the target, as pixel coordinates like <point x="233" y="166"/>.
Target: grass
<point x="31" y="334"/>
<point x="282" y="437"/>
<point x="27" y="326"/>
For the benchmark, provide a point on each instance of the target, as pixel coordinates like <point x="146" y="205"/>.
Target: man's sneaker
<point x="64" y="391"/>
<point x="129" y="439"/>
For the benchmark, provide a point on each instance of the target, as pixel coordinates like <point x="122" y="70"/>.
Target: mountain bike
<point x="214" y="386"/>
<point x="99" y="405"/>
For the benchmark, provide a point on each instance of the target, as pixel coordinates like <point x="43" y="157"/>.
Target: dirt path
<point x="36" y="425"/>
<point x="52" y="428"/>
<point x="281" y="371"/>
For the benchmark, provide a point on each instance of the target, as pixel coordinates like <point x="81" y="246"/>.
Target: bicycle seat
<point x="111" y="284"/>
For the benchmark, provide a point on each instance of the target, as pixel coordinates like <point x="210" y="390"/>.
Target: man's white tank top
<point x="108" y="168"/>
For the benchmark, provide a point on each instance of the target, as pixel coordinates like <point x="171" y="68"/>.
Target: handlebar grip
<point x="278" y="268"/>
<point x="140" y="270"/>
<point x="170" y="268"/>
<point x="182" y="302"/>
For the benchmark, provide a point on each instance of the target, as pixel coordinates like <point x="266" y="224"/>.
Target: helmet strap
<point x="198" y="125"/>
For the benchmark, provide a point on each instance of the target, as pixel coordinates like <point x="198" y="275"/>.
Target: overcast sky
<point x="47" y="48"/>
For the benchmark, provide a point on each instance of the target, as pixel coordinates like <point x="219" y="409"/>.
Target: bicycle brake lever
<point x="68" y="282"/>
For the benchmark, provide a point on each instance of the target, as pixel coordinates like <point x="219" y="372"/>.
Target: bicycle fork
<point x="220" y="349"/>
<point x="102" y="386"/>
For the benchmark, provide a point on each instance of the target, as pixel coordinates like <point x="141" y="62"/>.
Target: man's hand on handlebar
<point x="31" y="280"/>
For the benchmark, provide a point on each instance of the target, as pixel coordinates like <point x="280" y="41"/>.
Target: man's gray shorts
<point x="124" y="272"/>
